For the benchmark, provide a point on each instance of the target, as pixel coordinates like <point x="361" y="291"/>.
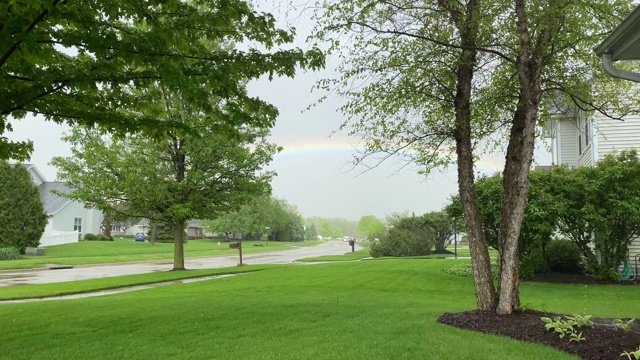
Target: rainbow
<point x="329" y="145"/>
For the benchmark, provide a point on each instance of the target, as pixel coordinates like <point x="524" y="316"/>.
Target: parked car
<point x="139" y="237"/>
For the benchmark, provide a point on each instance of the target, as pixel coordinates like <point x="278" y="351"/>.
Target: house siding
<point x="616" y="135"/>
<point x="586" y="158"/>
<point x="634" y="249"/>
<point x="63" y="219"/>
<point x="568" y="143"/>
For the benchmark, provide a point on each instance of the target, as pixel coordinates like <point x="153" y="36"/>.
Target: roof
<point x="52" y="202"/>
<point x="624" y="42"/>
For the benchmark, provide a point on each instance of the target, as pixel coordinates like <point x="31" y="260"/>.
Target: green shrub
<point x="9" y="253"/>
<point x="103" y="237"/>
<point x="401" y="242"/>
<point x="97" y="237"/>
<point x="563" y="256"/>
<point x="532" y="263"/>
<point x="89" y="237"/>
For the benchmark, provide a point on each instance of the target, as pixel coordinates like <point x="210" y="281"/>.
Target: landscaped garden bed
<point x="605" y="340"/>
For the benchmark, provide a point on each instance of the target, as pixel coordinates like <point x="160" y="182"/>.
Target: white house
<point x="65" y="215"/>
<point x="580" y="139"/>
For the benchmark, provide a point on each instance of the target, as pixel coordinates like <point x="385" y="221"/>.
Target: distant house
<point x="194" y="229"/>
<point x="581" y="139"/>
<point x="64" y="214"/>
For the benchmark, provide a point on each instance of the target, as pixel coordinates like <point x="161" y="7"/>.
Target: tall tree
<point x="76" y="61"/>
<point x="22" y="215"/>
<point x="179" y="176"/>
<point x="370" y="227"/>
<point x="311" y="233"/>
<point x="442" y="227"/>
<point x="434" y="78"/>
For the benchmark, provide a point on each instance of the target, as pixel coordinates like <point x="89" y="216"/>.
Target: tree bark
<point x="154" y="228"/>
<point x="178" y="245"/>
<point x="514" y="201"/>
<point x="480" y="261"/>
<point x="519" y="157"/>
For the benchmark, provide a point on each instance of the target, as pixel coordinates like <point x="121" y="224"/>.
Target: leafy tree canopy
<point x="80" y="62"/>
<point x="178" y="176"/>
<point x="371" y="227"/>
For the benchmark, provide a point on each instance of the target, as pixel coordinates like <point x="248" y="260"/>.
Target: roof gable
<point x="53" y="202"/>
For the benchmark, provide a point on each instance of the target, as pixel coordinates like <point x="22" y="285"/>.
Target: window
<point x="586" y="134"/>
<point x="77" y="224"/>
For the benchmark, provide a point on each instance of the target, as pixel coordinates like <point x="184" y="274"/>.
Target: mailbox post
<point x="238" y="246"/>
<point x="353" y="244"/>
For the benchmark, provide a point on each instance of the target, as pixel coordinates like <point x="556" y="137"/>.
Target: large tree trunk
<point x="107" y="226"/>
<point x="529" y="66"/>
<point x="514" y="201"/>
<point x="178" y="245"/>
<point x="480" y="261"/>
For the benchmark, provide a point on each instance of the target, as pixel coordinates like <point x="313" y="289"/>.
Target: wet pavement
<point x="85" y="272"/>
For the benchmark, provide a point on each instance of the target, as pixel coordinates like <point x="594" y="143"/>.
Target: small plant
<point x="575" y="337"/>
<point x="9" y="253"/>
<point x="567" y="327"/>
<point x="624" y="325"/>
<point x="634" y="355"/>
<point x="558" y="325"/>
<point x="580" y="321"/>
<point x="466" y="270"/>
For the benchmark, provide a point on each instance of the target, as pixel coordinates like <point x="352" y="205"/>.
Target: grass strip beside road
<point x="85" y="286"/>
<point x="117" y="251"/>
<point x="349" y="256"/>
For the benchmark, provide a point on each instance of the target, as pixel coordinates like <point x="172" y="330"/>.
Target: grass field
<point x="99" y="252"/>
<point x="383" y="309"/>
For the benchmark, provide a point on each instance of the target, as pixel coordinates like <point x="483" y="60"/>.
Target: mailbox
<point x="234" y="245"/>
<point x="351" y="242"/>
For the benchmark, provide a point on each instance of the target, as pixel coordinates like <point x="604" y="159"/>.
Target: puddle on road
<point x="12" y="276"/>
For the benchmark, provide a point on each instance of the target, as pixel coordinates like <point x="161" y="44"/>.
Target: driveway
<point x="85" y="272"/>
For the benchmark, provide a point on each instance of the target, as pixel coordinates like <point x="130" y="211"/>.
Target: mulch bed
<point x="602" y="342"/>
<point x="565" y="278"/>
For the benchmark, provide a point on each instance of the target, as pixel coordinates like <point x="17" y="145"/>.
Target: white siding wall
<point x="63" y="219"/>
<point x="586" y="159"/>
<point x="634" y="249"/>
<point x="568" y="143"/>
<point x="616" y="135"/>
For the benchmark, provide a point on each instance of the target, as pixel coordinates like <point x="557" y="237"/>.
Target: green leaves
<point x="85" y="62"/>
<point x="22" y="215"/>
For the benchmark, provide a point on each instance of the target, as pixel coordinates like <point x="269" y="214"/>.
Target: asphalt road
<point x="85" y="272"/>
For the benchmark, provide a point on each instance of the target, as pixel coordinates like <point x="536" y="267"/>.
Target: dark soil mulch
<point x="602" y="342"/>
<point x="576" y="278"/>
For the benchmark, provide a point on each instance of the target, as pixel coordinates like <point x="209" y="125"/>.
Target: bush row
<point x="558" y="255"/>
<point x="9" y="253"/>
<point x="97" y="237"/>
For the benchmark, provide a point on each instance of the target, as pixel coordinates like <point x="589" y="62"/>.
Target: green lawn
<point x="99" y="252"/>
<point x="348" y="256"/>
<point x="383" y="309"/>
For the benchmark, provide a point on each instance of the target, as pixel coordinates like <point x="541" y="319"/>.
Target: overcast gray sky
<point x="314" y="171"/>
